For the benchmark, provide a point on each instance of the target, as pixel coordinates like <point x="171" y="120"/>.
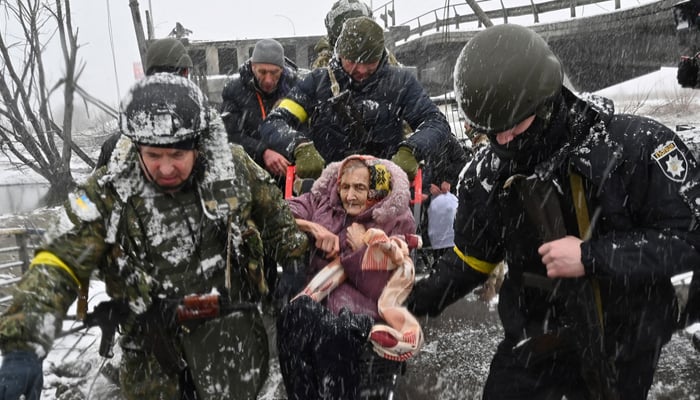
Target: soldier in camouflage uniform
<point x="177" y="211"/>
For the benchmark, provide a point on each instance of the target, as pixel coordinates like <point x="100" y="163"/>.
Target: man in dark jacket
<point x="592" y="212"/>
<point x="247" y="99"/>
<point x="356" y="105"/>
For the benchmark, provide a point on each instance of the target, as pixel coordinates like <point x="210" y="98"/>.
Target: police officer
<point x="178" y="212"/>
<point x="593" y="213"/>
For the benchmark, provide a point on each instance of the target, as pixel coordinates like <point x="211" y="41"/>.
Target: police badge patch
<point x="671" y="161"/>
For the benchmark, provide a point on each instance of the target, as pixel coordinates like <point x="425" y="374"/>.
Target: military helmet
<point x="503" y="74"/>
<point x="341" y="11"/>
<point x="164" y="110"/>
<point x="167" y="53"/>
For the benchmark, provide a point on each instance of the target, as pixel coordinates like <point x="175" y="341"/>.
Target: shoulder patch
<point x="671" y="161"/>
<point x="83" y="207"/>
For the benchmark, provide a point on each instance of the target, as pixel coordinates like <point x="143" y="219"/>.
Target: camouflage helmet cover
<point x="167" y="52"/>
<point x="503" y="74"/>
<point x="340" y="12"/>
<point x="164" y="110"/>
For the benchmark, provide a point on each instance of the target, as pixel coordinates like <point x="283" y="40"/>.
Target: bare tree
<point x="28" y="129"/>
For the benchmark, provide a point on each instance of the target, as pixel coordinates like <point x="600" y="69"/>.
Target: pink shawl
<point x="401" y="337"/>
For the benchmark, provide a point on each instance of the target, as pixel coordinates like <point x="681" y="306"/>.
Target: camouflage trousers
<point x="227" y="358"/>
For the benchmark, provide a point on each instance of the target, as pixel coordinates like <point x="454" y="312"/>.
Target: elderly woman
<point x="320" y="344"/>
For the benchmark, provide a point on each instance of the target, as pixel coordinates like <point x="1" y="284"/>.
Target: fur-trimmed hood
<point x="391" y="206"/>
<point x="125" y="173"/>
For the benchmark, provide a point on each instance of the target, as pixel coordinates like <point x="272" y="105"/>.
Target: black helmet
<point x="167" y="53"/>
<point x="164" y="110"/>
<point x="503" y="74"/>
<point x="340" y="12"/>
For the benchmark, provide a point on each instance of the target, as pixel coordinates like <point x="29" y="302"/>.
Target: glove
<point x="309" y="162"/>
<point x="687" y="74"/>
<point x="405" y="159"/>
<point x="20" y="375"/>
<point x="289" y="283"/>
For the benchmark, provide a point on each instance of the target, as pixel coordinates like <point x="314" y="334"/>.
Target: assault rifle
<point x="186" y="312"/>
<point x="195" y="308"/>
<point x="107" y="315"/>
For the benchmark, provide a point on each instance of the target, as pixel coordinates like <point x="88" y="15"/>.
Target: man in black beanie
<point x="357" y="105"/>
<point x="250" y="96"/>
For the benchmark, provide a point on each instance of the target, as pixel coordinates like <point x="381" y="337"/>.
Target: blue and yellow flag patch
<point x="83" y="207"/>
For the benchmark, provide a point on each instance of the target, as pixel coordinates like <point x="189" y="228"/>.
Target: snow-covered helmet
<point x="503" y="74"/>
<point x="167" y="53"/>
<point x="341" y="11"/>
<point x="165" y="110"/>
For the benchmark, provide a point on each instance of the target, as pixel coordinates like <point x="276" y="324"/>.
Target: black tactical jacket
<point x="365" y="118"/>
<point x="640" y="183"/>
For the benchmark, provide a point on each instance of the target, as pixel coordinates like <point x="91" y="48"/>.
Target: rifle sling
<point x="584" y="225"/>
<point x="335" y="87"/>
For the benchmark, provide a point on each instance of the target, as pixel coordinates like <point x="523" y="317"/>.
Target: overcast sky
<point x="110" y="61"/>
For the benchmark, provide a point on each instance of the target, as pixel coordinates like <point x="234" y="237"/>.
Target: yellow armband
<point x="484" y="267"/>
<point x="49" y="259"/>
<point x="294" y="108"/>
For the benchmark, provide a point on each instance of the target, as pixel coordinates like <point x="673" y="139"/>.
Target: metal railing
<point x="15" y="256"/>
<point x="456" y="14"/>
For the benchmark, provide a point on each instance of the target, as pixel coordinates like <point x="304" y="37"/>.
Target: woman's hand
<point x="326" y="241"/>
<point x="355" y="234"/>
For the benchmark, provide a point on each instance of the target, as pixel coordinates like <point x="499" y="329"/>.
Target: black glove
<point x="20" y="375"/>
<point x="289" y="283"/>
<point x="687" y="72"/>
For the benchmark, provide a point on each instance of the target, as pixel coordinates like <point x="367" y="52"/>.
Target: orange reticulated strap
<point x="294" y="108"/>
<point x="262" y="106"/>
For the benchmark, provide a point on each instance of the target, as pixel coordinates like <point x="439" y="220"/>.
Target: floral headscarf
<point x="379" y="177"/>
